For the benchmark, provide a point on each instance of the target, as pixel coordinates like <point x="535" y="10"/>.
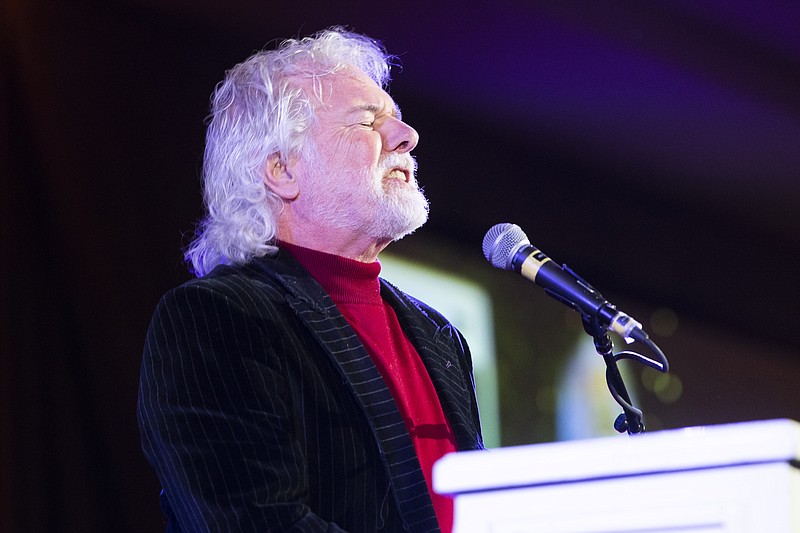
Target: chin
<point x="409" y="231"/>
<point x="400" y="214"/>
<point x="410" y="224"/>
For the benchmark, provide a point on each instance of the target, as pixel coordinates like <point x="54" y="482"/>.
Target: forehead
<point x="348" y="92"/>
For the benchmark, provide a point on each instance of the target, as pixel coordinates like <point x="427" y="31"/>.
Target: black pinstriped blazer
<point x="261" y="410"/>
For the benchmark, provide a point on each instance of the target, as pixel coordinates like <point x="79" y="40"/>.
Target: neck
<point x="335" y="242"/>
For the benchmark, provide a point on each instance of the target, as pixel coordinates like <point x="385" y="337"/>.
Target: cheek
<point x="361" y="151"/>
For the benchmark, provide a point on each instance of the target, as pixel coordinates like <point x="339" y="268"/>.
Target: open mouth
<point x="399" y="174"/>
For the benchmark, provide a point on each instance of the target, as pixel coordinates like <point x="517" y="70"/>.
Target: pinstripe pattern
<point x="260" y="409"/>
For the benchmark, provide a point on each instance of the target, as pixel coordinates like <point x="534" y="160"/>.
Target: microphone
<point x="507" y="247"/>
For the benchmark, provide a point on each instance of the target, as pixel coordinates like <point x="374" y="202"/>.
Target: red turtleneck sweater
<point x="355" y="289"/>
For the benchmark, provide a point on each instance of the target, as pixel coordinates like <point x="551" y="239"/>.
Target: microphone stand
<point x="631" y="418"/>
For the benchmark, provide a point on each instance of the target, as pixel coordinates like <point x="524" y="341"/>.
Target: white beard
<point x="366" y="202"/>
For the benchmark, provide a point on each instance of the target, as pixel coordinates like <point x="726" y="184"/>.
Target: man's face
<point x="359" y="174"/>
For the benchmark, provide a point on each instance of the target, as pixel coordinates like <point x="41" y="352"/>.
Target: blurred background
<point x="652" y="146"/>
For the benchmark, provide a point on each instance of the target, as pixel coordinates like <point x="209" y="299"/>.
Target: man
<point x="288" y="388"/>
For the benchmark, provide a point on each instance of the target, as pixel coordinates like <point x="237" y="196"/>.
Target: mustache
<point x="394" y="160"/>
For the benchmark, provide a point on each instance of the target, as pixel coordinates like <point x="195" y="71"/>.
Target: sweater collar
<point x="345" y="280"/>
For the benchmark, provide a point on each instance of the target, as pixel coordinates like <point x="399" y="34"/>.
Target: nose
<point x="399" y="136"/>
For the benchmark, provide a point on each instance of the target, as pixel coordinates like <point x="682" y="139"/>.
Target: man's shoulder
<point x="237" y="284"/>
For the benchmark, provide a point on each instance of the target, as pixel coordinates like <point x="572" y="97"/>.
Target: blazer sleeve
<point x="215" y="418"/>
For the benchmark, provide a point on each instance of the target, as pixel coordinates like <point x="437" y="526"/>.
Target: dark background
<point x="654" y="146"/>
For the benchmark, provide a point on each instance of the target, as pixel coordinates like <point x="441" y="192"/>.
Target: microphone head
<point x="501" y="242"/>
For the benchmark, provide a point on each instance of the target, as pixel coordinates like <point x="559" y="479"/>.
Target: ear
<point x="278" y="177"/>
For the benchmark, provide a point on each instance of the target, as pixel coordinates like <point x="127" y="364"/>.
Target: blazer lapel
<point x="436" y="344"/>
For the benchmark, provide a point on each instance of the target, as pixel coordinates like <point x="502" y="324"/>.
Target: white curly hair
<point x="259" y="110"/>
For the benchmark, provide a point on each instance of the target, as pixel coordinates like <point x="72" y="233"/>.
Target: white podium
<point x="741" y="478"/>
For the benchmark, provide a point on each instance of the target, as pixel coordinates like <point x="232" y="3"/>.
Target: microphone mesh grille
<point x="500" y="243"/>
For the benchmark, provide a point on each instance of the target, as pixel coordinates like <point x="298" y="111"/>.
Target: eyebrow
<point x="375" y="109"/>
